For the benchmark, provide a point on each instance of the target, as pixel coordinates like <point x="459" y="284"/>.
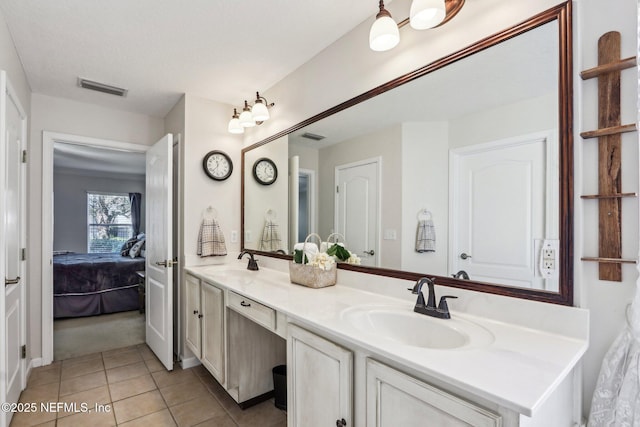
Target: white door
<point x="500" y="211"/>
<point x="357" y="207"/>
<point x="13" y="239"/>
<point x="159" y="250"/>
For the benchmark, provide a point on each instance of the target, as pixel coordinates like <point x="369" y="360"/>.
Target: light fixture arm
<point x="262" y="98"/>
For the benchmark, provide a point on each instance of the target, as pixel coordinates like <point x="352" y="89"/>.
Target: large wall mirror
<point x="463" y="167"/>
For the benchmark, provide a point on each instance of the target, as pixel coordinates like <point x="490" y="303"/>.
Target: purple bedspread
<point x="92" y="284"/>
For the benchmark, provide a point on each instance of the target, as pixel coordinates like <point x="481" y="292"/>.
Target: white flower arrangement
<point x="322" y="261"/>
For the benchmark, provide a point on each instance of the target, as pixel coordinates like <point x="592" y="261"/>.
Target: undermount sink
<point x="403" y="326"/>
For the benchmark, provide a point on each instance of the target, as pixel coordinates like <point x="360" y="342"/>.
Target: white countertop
<point x="518" y="369"/>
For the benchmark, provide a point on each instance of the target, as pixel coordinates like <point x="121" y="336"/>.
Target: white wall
<point x="606" y="301"/>
<point x="10" y="62"/>
<point x="425" y="174"/>
<point x="205" y="130"/>
<point x="70" y="190"/>
<point x="75" y="118"/>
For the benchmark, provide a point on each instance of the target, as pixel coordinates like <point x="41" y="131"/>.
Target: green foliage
<point x="297" y="257"/>
<point x="339" y="252"/>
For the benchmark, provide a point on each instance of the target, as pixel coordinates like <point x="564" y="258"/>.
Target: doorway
<point x="53" y="144"/>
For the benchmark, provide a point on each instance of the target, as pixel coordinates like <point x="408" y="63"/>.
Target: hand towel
<point x="310" y="249"/>
<point x="211" y="239"/>
<point x="270" y="240"/>
<point x="425" y="236"/>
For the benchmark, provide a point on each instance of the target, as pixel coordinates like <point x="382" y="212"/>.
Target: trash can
<point x="280" y="386"/>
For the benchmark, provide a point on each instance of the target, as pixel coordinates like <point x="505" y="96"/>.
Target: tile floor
<point x="139" y="391"/>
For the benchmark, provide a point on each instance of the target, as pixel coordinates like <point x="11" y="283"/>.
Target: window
<point x="109" y="222"/>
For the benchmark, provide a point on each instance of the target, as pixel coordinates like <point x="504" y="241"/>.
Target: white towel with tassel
<point x="211" y="239"/>
<point x="425" y="236"/>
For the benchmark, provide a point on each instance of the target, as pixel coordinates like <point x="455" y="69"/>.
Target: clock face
<point x="217" y="165"/>
<point x="265" y="171"/>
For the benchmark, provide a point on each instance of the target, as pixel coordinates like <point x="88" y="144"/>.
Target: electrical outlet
<point x="247" y="236"/>
<point x="234" y="236"/>
<point x="548" y="259"/>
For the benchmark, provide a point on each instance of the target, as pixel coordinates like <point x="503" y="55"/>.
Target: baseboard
<point x="35" y="363"/>
<point x="189" y="363"/>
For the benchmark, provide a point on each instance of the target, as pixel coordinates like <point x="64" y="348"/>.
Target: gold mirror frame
<point x="561" y="13"/>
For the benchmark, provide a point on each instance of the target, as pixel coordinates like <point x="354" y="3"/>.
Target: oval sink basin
<point x="403" y="326"/>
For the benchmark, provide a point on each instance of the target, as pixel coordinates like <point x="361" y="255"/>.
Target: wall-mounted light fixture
<point x="250" y="116"/>
<point x="424" y="14"/>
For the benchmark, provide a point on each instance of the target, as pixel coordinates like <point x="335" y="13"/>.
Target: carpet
<point x="85" y="335"/>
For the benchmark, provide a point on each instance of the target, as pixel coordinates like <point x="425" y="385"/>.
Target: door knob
<point x="464" y="256"/>
<point x="161" y="263"/>
<point x="371" y="252"/>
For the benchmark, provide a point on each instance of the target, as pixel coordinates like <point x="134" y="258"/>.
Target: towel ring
<point x="270" y="215"/>
<point x="424" y="214"/>
<point x="210" y="213"/>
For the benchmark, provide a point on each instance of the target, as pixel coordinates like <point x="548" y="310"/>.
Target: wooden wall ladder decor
<point x="609" y="132"/>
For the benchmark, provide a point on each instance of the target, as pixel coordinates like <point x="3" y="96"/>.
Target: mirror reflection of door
<point x="500" y="217"/>
<point x="357" y="207"/>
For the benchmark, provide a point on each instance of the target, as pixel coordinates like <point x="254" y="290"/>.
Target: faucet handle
<point x="443" y="306"/>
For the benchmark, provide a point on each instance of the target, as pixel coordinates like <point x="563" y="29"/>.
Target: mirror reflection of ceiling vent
<point x="312" y="136"/>
<point x="101" y="87"/>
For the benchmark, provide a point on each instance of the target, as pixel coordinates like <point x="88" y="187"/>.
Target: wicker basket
<point x="310" y="276"/>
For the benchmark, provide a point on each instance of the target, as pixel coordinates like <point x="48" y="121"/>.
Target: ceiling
<point x="221" y="50"/>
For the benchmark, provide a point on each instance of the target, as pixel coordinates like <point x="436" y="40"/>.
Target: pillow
<point x="137" y="248"/>
<point x="126" y="247"/>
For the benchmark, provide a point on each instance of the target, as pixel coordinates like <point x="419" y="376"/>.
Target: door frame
<point x="7" y="87"/>
<point x="378" y="162"/>
<point x="49" y="139"/>
<point x="313" y="198"/>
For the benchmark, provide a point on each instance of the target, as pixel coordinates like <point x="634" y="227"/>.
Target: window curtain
<point x="136" y="207"/>
<point x="616" y="400"/>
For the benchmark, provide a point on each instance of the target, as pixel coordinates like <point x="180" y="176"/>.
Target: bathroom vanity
<point x="359" y="358"/>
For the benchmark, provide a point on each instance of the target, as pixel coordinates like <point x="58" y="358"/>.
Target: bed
<point x="93" y="284"/>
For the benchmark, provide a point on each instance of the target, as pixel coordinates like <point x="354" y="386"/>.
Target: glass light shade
<point x="259" y="111"/>
<point x="384" y="34"/>
<point x="246" y="119"/>
<point x="426" y="14"/>
<point x="235" y="126"/>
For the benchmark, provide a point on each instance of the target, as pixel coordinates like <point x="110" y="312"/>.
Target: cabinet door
<point x="396" y="399"/>
<point x="192" y="306"/>
<point x="319" y="381"/>
<point x="212" y="306"/>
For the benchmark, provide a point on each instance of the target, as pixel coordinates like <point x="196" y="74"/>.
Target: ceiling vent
<point x="312" y="136"/>
<point x="101" y="87"/>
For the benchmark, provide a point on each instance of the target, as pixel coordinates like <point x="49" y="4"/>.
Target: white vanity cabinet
<point x="204" y="333"/>
<point x="319" y="381"/>
<point x="396" y="399"/>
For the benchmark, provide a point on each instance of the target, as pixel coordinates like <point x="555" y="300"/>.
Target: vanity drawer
<point x="253" y="310"/>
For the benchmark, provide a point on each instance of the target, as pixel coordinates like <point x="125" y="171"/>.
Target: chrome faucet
<point x="253" y="264"/>
<point x="430" y="309"/>
<point x="461" y="275"/>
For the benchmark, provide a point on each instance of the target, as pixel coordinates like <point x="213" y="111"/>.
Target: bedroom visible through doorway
<point x="98" y="249"/>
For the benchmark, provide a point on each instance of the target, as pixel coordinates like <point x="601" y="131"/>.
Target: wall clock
<point x="265" y="171"/>
<point x="217" y="165"/>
